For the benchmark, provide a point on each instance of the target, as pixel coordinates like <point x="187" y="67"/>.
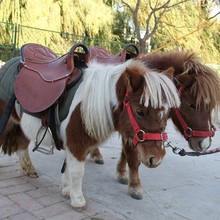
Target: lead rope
<point x="182" y="152"/>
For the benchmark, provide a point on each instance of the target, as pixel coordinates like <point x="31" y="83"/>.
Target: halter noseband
<point x="189" y="132"/>
<point x="140" y="135"/>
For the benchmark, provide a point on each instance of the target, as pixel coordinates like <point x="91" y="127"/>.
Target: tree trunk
<point x="143" y="46"/>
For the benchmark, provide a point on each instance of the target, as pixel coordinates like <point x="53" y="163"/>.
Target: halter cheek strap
<point x="140" y="135"/>
<point x="189" y="132"/>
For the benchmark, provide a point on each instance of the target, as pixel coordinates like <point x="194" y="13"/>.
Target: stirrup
<point x="48" y="150"/>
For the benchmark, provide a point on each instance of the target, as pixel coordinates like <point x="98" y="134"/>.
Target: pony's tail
<point x="11" y="139"/>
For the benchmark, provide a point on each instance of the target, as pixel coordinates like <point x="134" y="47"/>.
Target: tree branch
<point x="128" y="6"/>
<point x="214" y="16"/>
<point x="135" y="16"/>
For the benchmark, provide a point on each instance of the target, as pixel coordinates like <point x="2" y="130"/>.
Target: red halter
<point x="189" y="132"/>
<point x="140" y="135"/>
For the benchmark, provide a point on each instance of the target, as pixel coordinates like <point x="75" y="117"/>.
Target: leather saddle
<point x="44" y="76"/>
<point x="103" y="56"/>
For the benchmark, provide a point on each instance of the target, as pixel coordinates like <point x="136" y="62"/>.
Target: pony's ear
<point x="185" y="80"/>
<point x="131" y="81"/>
<point x="134" y="80"/>
<point x="169" y="72"/>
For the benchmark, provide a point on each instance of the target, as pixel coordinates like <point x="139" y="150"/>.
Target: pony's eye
<point x="140" y="112"/>
<point x="192" y="106"/>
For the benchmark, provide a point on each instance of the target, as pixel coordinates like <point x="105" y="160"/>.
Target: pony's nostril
<point x="151" y="161"/>
<point x="203" y="146"/>
<point x="200" y="145"/>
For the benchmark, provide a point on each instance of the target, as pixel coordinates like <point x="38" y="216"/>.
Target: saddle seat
<point x="44" y="76"/>
<point x="103" y="56"/>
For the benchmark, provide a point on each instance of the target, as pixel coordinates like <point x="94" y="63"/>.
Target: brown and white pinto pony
<point x="128" y="98"/>
<point x="199" y="91"/>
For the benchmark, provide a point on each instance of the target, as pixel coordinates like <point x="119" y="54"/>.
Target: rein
<point x="140" y="135"/>
<point x="189" y="132"/>
<point x="182" y="152"/>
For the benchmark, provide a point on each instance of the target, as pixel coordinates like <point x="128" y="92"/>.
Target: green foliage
<point x="99" y="22"/>
<point x="121" y="27"/>
<point x="87" y="19"/>
<point x="201" y="34"/>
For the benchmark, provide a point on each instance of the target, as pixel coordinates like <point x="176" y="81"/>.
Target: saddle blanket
<point x="8" y="73"/>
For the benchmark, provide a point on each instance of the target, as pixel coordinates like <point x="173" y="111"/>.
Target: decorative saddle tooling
<point x="44" y="76"/>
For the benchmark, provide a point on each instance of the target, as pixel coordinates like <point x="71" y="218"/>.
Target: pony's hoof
<point x="32" y="174"/>
<point x="122" y="179"/>
<point x="80" y="209"/>
<point x="136" y="194"/>
<point x="99" y="161"/>
<point x="78" y="204"/>
<point x="66" y="193"/>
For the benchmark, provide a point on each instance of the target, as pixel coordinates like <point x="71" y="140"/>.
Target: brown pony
<point x="199" y="91"/>
<point x="128" y="98"/>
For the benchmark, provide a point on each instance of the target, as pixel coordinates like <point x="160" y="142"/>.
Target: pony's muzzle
<point x="152" y="161"/>
<point x="199" y="144"/>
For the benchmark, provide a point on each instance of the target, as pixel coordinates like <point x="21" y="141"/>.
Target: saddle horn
<point x="83" y="57"/>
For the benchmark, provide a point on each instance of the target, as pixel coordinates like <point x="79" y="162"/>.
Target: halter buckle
<point x="188" y="132"/>
<point x="163" y="136"/>
<point x="141" y="132"/>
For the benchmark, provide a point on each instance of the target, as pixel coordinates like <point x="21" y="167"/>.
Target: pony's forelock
<point x="206" y="88"/>
<point x="159" y="90"/>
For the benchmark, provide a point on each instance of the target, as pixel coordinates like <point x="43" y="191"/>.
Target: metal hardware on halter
<point x="49" y="150"/>
<point x="176" y="150"/>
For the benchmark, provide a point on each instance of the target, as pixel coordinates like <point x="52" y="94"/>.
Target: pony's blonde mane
<point x="99" y="95"/>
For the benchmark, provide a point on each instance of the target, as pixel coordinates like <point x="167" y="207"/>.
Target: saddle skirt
<point x="44" y="76"/>
<point x="103" y="56"/>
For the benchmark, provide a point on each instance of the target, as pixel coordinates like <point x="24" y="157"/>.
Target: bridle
<point x="189" y="132"/>
<point x="140" y="135"/>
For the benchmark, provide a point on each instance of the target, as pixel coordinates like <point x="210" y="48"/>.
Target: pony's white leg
<point x="27" y="167"/>
<point x="72" y="181"/>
